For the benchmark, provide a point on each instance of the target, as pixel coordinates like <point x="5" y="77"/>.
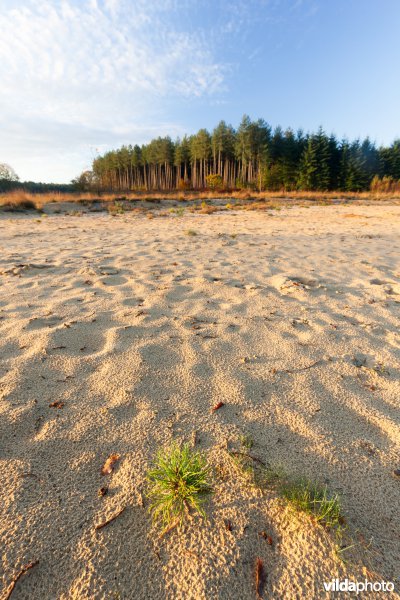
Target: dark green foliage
<point x="34" y="187"/>
<point x="390" y="160"/>
<point x="315" y="166"/>
<point x="250" y="157"/>
<point x="308" y="167"/>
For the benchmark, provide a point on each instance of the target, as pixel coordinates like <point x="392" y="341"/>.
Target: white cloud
<point x="75" y="74"/>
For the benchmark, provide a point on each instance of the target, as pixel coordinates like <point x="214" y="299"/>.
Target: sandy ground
<point x="139" y="329"/>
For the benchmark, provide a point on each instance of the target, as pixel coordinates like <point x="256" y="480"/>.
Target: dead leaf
<point x="260" y="577"/>
<point x="228" y="525"/>
<point x="111" y="519"/>
<point x="108" y="466"/>
<point x="255" y="458"/>
<point x="56" y="404"/>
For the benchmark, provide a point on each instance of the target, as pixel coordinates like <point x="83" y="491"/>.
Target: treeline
<point x="252" y="156"/>
<point x="7" y="185"/>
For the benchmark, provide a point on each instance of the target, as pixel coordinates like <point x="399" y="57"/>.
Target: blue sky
<point x="79" y="77"/>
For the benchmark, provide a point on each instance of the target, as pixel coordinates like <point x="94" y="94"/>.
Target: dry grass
<point x="243" y="199"/>
<point x="207" y="209"/>
<point x="353" y="216"/>
<point x="18" y="201"/>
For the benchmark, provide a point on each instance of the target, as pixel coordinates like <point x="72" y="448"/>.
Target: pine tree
<point x="322" y="174"/>
<point x="251" y="156"/>
<point x="308" y="167"/>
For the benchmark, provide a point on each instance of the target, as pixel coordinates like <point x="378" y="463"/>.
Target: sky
<point x="80" y="77"/>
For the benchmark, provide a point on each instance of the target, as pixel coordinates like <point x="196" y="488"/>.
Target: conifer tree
<point x="308" y="167"/>
<point x="251" y="156"/>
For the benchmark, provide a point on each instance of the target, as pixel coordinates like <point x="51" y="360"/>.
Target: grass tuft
<point x="313" y="499"/>
<point x="207" y="209"/>
<point x="179" y="483"/>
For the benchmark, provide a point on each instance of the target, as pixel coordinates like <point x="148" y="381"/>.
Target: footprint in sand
<point x="43" y="322"/>
<point x="288" y="284"/>
<point x="113" y="280"/>
<point x="79" y="339"/>
<point x="159" y="356"/>
<point x="26" y="268"/>
<point x="132" y="301"/>
<point x="389" y="286"/>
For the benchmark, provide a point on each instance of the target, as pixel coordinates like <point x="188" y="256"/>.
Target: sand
<point x="290" y="318"/>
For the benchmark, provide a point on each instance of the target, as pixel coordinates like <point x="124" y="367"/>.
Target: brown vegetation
<point x="19" y="200"/>
<point x="386" y="185"/>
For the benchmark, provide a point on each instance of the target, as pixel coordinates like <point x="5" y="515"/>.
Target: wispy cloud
<point x="81" y="74"/>
<point x="94" y="70"/>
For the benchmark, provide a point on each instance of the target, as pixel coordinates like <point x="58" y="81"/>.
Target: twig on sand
<point x="111" y="519"/>
<point x="169" y="528"/>
<point x="255" y="458"/>
<point x="194" y="439"/>
<point x="314" y="364"/>
<point x="18" y="577"/>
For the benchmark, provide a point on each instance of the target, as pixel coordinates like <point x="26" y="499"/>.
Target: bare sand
<point x="290" y="318"/>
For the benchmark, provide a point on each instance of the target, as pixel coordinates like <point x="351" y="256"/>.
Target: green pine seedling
<point x="179" y="484"/>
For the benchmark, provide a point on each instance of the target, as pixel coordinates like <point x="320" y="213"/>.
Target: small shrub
<point x="116" y="208"/>
<point x="191" y="232"/>
<point x="184" y="184"/>
<point x="207" y="209"/>
<point x="214" y="181"/>
<point x="247" y="441"/>
<point x="179" y="482"/>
